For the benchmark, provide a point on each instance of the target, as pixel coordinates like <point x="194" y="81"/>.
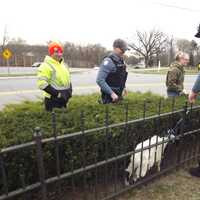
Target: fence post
<point x="182" y="129"/>
<point x="84" y="160"/>
<point x="57" y="149"/>
<point x="4" y="175"/>
<point x="126" y="134"/>
<point x="40" y="161"/>
<point x="142" y="147"/>
<point x="106" y="124"/>
<point x="172" y="112"/>
<point x="185" y="109"/>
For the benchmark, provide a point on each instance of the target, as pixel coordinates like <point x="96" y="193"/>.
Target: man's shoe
<point x="195" y="171"/>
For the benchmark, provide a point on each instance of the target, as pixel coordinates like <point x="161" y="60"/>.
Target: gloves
<point x="50" y="90"/>
<point x="64" y="94"/>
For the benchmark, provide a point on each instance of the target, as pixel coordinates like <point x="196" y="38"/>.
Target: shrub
<point x="17" y="124"/>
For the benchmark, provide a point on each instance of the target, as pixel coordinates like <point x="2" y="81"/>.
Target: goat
<point x="144" y="160"/>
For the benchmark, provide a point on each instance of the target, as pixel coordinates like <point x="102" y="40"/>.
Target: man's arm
<point x="196" y="87"/>
<point x="105" y="68"/>
<point x="43" y="77"/>
<point x="195" y="90"/>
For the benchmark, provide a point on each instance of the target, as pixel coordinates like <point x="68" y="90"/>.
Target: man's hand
<point x="114" y="97"/>
<point x="192" y="97"/>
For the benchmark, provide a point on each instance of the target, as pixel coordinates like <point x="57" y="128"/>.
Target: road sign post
<point x="7" y="54"/>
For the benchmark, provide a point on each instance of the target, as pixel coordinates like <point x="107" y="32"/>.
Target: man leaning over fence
<point x="54" y="78"/>
<point x="192" y="96"/>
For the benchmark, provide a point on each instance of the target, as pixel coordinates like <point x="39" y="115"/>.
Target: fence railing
<point x="92" y="164"/>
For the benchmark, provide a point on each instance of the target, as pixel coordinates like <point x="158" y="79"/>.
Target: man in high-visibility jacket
<point x="54" y="78"/>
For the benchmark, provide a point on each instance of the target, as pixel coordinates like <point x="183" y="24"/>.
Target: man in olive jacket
<point x="175" y="75"/>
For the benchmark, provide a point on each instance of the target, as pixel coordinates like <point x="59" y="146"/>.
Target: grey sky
<point x="92" y="21"/>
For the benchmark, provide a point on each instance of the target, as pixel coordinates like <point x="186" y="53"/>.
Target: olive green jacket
<point x="175" y="77"/>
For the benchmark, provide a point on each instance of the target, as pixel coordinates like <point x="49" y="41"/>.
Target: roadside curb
<point x="17" y="77"/>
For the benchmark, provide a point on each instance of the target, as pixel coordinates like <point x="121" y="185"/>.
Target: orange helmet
<point x="55" y="46"/>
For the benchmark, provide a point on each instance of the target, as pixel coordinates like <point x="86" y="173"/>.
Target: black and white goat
<point x="149" y="153"/>
<point x="144" y="160"/>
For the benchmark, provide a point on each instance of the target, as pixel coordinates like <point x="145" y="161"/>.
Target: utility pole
<point x="5" y="38"/>
<point x="7" y="54"/>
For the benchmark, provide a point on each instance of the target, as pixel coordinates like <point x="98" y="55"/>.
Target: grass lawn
<point x="179" y="185"/>
<point x="162" y="71"/>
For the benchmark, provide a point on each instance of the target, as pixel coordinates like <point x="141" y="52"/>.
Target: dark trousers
<point x="51" y="103"/>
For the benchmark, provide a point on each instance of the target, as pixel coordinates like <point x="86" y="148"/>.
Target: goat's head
<point x="130" y="178"/>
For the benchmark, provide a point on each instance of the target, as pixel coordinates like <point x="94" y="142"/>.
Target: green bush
<point x="17" y="124"/>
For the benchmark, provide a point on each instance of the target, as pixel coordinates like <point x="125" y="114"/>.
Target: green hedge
<point x="17" y="124"/>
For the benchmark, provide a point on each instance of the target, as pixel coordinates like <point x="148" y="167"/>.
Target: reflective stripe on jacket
<point x="54" y="73"/>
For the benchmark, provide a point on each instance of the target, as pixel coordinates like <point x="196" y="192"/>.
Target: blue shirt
<point x="106" y="67"/>
<point x="196" y="87"/>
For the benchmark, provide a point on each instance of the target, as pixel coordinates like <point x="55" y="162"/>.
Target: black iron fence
<point x="103" y="162"/>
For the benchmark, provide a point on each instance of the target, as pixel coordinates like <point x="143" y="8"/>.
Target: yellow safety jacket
<point x="54" y="73"/>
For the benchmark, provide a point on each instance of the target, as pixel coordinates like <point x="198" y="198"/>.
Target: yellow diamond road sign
<point x="7" y="54"/>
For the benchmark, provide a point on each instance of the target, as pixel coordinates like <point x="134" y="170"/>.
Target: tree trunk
<point x="146" y="61"/>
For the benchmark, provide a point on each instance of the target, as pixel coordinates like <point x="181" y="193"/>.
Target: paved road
<point x="17" y="89"/>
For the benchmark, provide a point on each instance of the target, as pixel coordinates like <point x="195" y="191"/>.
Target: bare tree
<point x="193" y="49"/>
<point x="168" y="54"/>
<point x="171" y="50"/>
<point x="183" y="45"/>
<point x="18" y="41"/>
<point x="75" y="55"/>
<point x="190" y="47"/>
<point x="149" y="44"/>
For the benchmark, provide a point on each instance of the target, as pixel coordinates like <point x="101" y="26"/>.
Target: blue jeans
<point x="173" y="94"/>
